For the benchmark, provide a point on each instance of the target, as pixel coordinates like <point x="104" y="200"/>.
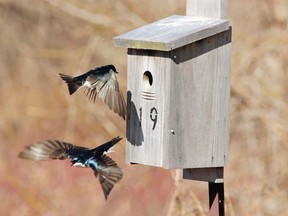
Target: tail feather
<point x="99" y="150"/>
<point x="73" y="86"/>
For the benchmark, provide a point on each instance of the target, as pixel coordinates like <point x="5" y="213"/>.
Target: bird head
<point x="112" y="67"/>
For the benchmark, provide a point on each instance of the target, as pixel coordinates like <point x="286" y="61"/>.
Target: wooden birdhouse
<point x="178" y="92"/>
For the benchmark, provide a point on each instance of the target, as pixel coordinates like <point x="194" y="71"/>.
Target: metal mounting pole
<point x="215" y="178"/>
<point x="216" y="199"/>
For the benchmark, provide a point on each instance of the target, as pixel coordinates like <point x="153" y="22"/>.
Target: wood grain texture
<point x="190" y="91"/>
<point x="171" y="33"/>
<point x="145" y="148"/>
<point x="217" y="9"/>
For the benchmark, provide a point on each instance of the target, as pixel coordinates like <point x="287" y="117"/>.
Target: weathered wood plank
<point x="171" y="33"/>
<point x="199" y="110"/>
<point x="217" y="9"/>
<point x="146" y="105"/>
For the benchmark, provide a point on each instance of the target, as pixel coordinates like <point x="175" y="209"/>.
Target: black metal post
<point x="216" y="199"/>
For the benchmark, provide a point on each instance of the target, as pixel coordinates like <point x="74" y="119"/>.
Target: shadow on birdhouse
<point x="134" y="132"/>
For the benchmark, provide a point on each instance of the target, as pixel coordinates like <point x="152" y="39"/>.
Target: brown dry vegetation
<point x="39" y="39"/>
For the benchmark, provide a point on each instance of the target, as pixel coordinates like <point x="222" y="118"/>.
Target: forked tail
<point x="106" y="146"/>
<point x="72" y="83"/>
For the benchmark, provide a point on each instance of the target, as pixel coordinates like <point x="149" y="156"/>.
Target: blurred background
<point x="40" y="39"/>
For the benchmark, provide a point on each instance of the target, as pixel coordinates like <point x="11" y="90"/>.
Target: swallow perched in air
<point x="103" y="166"/>
<point x="101" y="81"/>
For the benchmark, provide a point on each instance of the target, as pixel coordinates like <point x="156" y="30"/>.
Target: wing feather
<point x="112" y="96"/>
<point x="107" y="88"/>
<point x="46" y="150"/>
<point x="109" y="174"/>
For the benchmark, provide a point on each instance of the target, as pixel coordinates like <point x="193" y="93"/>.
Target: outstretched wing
<point x="47" y="150"/>
<point x="109" y="174"/>
<point x="107" y="88"/>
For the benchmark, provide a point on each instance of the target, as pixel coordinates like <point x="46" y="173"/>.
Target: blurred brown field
<point x="39" y="39"/>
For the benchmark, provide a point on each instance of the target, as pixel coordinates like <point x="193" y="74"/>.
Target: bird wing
<point x="47" y="150"/>
<point x="109" y="174"/>
<point x="107" y="88"/>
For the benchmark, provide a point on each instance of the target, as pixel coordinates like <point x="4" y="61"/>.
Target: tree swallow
<point x="102" y="165"/>
<point x="102" y="81"/>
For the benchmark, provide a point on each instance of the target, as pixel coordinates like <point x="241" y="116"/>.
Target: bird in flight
<point x="101" y="81"/>
<point x="103" y="166"/>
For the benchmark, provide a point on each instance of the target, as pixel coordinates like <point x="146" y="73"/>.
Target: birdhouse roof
<point x="171" y="33"/>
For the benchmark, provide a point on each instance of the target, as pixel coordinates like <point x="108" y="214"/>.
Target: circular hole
<point x="147" y="78"/>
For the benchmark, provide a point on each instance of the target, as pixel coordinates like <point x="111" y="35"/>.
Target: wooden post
<point x="214" y="176"/>
<point x="207" y="8"/>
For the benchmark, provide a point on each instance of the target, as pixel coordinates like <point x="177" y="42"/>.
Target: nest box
<point x="178" y="92"/>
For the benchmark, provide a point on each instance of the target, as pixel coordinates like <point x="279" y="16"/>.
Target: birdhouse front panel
<point x="148" y="100"/>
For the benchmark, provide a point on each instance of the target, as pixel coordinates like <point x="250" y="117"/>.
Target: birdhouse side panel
<point x="222" y="87"/>
<point x="199" y="109"/>
<point x="190" y="111"/>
